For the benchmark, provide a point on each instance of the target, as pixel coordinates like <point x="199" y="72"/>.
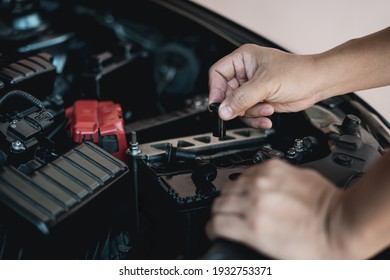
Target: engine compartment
<point x="106" y="143"/>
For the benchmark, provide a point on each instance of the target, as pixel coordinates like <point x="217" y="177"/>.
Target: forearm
<point x="364" y="212"/>
<point x="358" y="64"/>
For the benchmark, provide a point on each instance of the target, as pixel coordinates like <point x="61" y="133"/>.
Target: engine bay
<point x="108" y="147"/>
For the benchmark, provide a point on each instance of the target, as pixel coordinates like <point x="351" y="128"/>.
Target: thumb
<point x="240" y="100"/>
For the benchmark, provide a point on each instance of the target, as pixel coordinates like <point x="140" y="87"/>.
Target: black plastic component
<point x="203" y="176"/>
<point x="350" y="125"/>
<point x="219" y="127"/>
<point x="55" y="191"/>
<point x="266" y="153"/>
<point x="106" y="77"/>
<point x="109" y="143"/>
<point x="42" y="119"/>
<point x="205" y="172"/>
<point x="342" y="159"/>
<point x="24" y="95"/>
<point x="348" y="141"/>
<point x="35" y="74"/>
<point x="23" y="135"/>
<point x="309" y="142"/>
<point x="175" y="153"/>
<point x="22" y="130"/>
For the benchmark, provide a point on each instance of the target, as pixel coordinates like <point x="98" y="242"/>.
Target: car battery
<point x="178" y="179"/>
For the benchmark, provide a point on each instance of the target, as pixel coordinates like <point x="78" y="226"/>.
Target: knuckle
<point x="274" y="166"/>
<point x="262" y="182"/>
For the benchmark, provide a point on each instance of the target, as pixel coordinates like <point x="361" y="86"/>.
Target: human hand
<point x="282" y="211"/>
<point x="254" y="82"/>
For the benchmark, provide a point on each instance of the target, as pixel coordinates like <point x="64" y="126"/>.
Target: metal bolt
<point x="13" y="123"/>
<point x="291" y="152"/>
<point x="259" y="157"/>
<point x="17" y="146"/>
<point x="298" y="145"/>
<point x="134" y="148"/>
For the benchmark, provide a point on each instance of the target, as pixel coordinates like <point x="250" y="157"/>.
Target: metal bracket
<point x="204" y="142"/>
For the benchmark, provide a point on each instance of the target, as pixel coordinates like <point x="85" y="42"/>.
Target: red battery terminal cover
<point x="100" y="122"/>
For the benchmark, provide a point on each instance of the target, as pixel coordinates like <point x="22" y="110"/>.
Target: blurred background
<point x="305" y="26"/>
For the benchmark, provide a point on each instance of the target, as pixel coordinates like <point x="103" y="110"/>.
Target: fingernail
<point x="225" y="112"/>
<point x="265" y="123"/>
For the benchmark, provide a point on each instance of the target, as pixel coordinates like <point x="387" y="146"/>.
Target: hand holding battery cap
<point x="285" y="211"/>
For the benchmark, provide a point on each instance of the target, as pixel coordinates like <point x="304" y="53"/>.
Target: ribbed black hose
<point x="22" y="94"/>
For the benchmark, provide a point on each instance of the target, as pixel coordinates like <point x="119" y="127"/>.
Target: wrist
<point x="327" y="81"/>
<point x="351" y="236"/>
